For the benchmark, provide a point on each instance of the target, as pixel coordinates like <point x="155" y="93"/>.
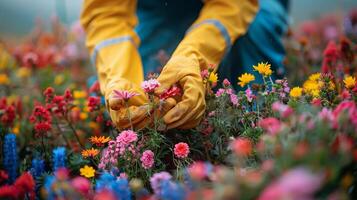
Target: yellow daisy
<point x="296" y="92"/>
<point x="245" y="78"/>
<point x="349" y="82"/>
<point x="315" y="77"/>
<point x="87" y="171"/>
<point x="263" y="69"/>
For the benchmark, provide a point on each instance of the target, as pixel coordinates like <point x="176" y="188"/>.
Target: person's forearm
<point x="112" y="42"/>
<point x="220" y="23"/>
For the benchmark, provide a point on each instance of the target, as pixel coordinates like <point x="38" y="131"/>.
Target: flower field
<point x="291" y="138"/>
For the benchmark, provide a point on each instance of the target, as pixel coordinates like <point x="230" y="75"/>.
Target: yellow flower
<point x="245" y="78"/>
<point x="296" y="92"/>
<point x="83" y="115"/>
<point x="315" y="77"/>
<point x="23" y="72"/>
<point x="90" y="152"/>
<point x="350" y="82"/>
<point x="99" y="141"/>
<point x="213" y="78"/>
<point x="4" y="79"/>
<point x="87" y="171"/>
<point x="311" y="85"/>
<point x="79" y="94"/>
<point x="59" y="79"/>
<point x="315" y="93"/>
<point x="16" y="129"/>
<point x="93" y="125"/>
<point x="263" y="69"/>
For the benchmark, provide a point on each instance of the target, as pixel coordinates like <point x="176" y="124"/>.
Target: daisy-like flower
<point x="315" y="77"/>
<point x="87" y="171"/>
<point x="213" y="78"/>
<point x="124" y="94"/>
<point x="296" y="92"/>
<point x="263" y="69"/>
<point x="349" y="82"/>
<point x="150" y="85"/>
<point x="90" y="152"/>
<point x="99" y="141"/>
<point x="245" y="78"/>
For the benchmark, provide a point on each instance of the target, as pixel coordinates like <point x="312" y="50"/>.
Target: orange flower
<point x="99" y="141"/>
<point x="90" y="152"/>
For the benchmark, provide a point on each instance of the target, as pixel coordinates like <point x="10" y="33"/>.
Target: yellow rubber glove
<point x="113" y="45"/>
<point x="220" y="23"/>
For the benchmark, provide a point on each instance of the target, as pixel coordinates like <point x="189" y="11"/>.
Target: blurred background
<point x="18" y="17"/>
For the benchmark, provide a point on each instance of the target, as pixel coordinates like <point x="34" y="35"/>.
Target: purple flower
<point x="156" y="180"/>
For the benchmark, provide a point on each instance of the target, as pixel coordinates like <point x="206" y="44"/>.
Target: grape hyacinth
<point x="10" y="157"/>
<point x="37" y="167"/>
<point x="59" y="158"/>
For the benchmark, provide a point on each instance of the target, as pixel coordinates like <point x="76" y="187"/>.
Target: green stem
<point x="129" y="114"/>
<point x="75" y="133"/>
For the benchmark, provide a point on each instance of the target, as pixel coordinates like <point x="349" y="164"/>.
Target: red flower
<point x="8" y="117"/>
<point x="93" y="103"/>
<point x="68" y="95"/>
<point x="242" y="146"/>
<point x="49" y="92"/>
<point x="22" y="186"/>
<point x="331" y="54"/>
<point x="26" y="184"/>
<point x="171" y="92"/>
<point x="3" y="176"/>
<point x="42" y="127"/>
<point x="181" y="150"/>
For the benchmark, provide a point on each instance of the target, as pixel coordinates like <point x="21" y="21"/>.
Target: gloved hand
<point x="112" y="42"/>
<point x="219" y="24"/>
<point x="185" y="72"/>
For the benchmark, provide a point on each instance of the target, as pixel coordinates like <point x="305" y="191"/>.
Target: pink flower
<point x="298" y="183"/>
<point x="284" y="110"/>
<point x="226" y="83"/>
<point x="271" y="125"/>
<point x="204" y="74"/>
<point x="126" y="137"/>
<point x="220" y="92"/>
<point x="81" y="184"/>
<point x="181" y="150"/>
<point x="147" y="159"/>
<point x="326" y="115"/>
<point x="249" y="94"/>
<point x="150" y="85"/>
<point x="123" y="94"/>
<point x="156" y="179"/>
<point x="234" y="99"/>
<point x="199" y="170"/>
<point x="242" y="146"/>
